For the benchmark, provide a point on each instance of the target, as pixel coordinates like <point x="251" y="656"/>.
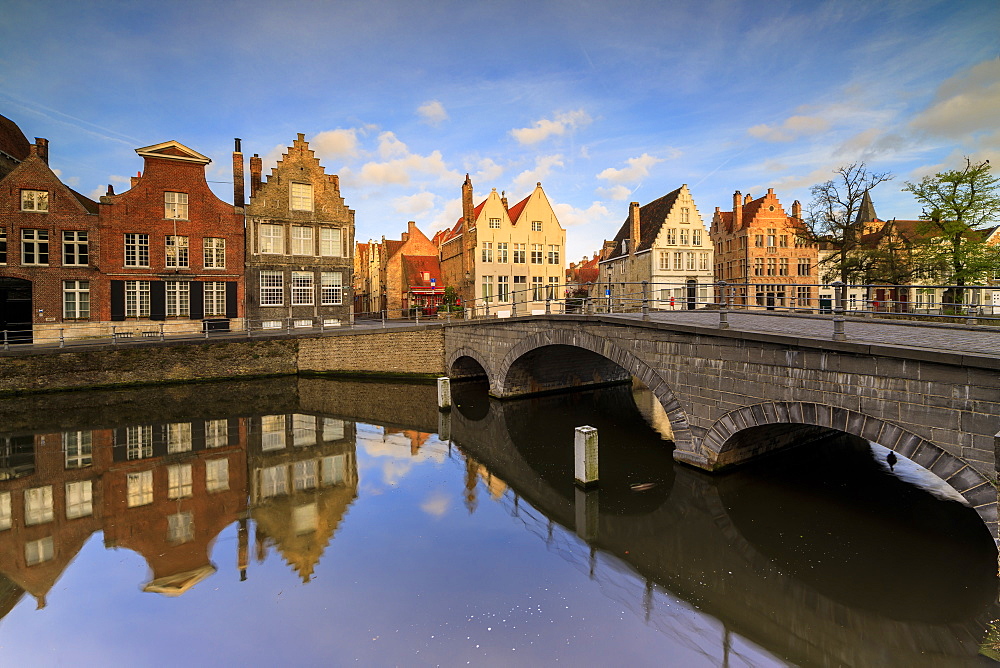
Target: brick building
<point x="398" y="276"/>
<point x="172" y="250"/>
<point x="762" y="250"/>
<point x="300" y="237"/>
<point x="48" y="245"/>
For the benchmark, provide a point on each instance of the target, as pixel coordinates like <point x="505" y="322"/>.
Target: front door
<point x="15" y="309"/>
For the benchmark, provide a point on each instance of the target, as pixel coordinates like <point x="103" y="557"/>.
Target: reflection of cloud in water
<point x="437" y="504"/>
<point x="911" y="472"/>
<point x="395" y="470"/>
<point x="377" y="443"/>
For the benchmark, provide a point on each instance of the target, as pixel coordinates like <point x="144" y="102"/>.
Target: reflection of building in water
<point x="303" y="478"/>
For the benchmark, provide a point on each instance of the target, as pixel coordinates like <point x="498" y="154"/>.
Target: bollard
<point x="62" y="341"/>
<point x="587" y="511"/>
<point x="417" y="314"/>
<point x="444" y="393"/>
<point x="383" y="318"/>
<point x="723" y="306"/>
<point x="585" y="450"/>
<point x="548" y="304"/>
<point x="838" y="312"/>
<point x="161" y="331"/>
<point x="6" y="343"/>
<point x="114" y="335"/>
<point x="204" y="324"/>
<point x="645" y="300"/>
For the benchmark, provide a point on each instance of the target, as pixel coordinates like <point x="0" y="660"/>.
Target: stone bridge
<point x="931" y="394"/>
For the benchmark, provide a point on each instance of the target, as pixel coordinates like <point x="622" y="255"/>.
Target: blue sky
<point x="604" y="103"/>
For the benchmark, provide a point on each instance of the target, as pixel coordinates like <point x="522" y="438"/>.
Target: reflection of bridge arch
<point x="748" y="429"/>
<point x="502" y="381"/>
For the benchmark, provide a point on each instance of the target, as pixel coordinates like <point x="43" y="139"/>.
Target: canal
<point x="309" y="521"/>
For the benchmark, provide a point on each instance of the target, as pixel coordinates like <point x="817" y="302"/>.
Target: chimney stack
<point x="256" y="167"/>
<point x="797" y="209"/>
<point x="633" y="217"/>
<point x="737" y="210"/>
<point x="239" y="189"/>
<point x="503" y="199"/>
<point x="134" y="179"/>
<point x="747" y="199"/>
<point x="43" y="149"/>
<point x="468" y="210"/>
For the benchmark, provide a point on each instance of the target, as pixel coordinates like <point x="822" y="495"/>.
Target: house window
<point x="175" y="206"/>
<point x="703" y="261"/>
<point x="76" y="300"/>
<point x="758" y="240"/>
<point x="136" y="299"/>
<point x="519" y="253"/>
<point x="302" y="288"/>
<point x="272" y="239"/>
<point x="803" y="296"/>
<point x="758" y="266"/>
<point x="770" y="238"/>
<point x="696" y="237"/>
<point x="178" y="298"/>
<point x="783" y="266"/>
<point x="3" y="245"/>
<point x="334" y="470"/>
<point x="329" y="242"/>
<point x="34" y="246"/>
<point x="690" y="261"/>
<point x="536" y="288"/>
<point x="272" y="288"/>
<point x="487" y="288"/>
<point x="75" y="251"/>
<point x="179" y="437"/>
<point x="136" y="250"/>
<point x="502" y="252"/>
<point x="487" y="251"/>
<point x="35" y="200"/>
<point x="621" y="267"/>
<point x="180" y="528"/>
<point x="685" y="214"/>
<point x="804" y="266"/>
<point x="215" y="299"/>
<point x="664" y="261"/>
<point x="684" y="236"/>
<point x="179" y="483"/>
<point x="38" y="505"/>
<point x="678" y="261"/>
<point x="553" y="287"/>
<point x="536" y="253"/>
<point x="302" y="240"/>
<point x="771" y="266"/>
<point x="139" y="488"/>
<point x="139" y="442"/>
<point x="503" y="288"/>
<point x="671" y="236"/>
<point x="333" y="429"/>
<point x="78" y="449"/>
<point x="216" y="433"/>
<point x="38" y="551"/>
<point x="5" y="517"/>
<point x="272" y="432"/>
<point x="79" y="499"/>
<point x="215" y="252"/>
<point x="783" y="241"/>
<point x="553" y="254"/>
<point x="494" y="223"/>
<point x="302" y="196"/>
<point x="177" y="251"/>
<point x="216" y="475"/>
<point x="273" y="481"/>
<point x="536" y="226"/>
<point x="521" y="286"/>
<point x="331" y="288"/>
<point x="304" y="475"/>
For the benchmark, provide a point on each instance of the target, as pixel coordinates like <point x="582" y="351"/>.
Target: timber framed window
<point x="302" y="288"/>
<point x="136" y="299"/>
<point x="176" y="251"/>
<point x="75" y="248"/>
<point x="215" y="299"/>
<point x="76" y="300"/>
<point x="331" y="288"/>
<point x="301" y="196"/>
<point x="35" y="200"/>
<point x="330" y="244"/>
<point x="34" y="247"/>
<point x="272" y="288"/>
<point x="214" y="252"/>
<point x="271" y="239"/>
<point x="175" y="206"/>
<point x="136" y="250"/>
<point x="302" y="240"/>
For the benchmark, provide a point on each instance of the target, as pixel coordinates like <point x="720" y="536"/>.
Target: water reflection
<point x="819" y="555"/>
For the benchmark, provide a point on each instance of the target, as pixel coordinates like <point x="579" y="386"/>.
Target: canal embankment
<point x="414" y="353"/>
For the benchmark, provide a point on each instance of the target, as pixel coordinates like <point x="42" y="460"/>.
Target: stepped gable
<point x="651" y="217"/>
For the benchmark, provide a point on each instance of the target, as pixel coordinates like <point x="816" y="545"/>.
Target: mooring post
<point x="383" y="318"/>
<point x="723" y="306"/>
<point x="585" y="446"/>
<point x="444" y="393"/>
<point x="838" y="312"/>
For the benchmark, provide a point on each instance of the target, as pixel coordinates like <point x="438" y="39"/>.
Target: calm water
<point x="316" y="522"/>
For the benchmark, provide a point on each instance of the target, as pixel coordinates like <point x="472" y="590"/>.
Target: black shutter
<point x="157" y="300"/>
<point x="117" y="300"/>
<point x="197" y="300"/>
<point x="231" y="304"/>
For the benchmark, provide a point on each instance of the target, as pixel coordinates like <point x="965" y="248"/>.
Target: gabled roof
<point x="173" y="150"/>
<point x="12" y="140"/>
<point x="392" y="246"/>
<point x="514" y="212"/>
<point x="651" y="217"/>
<point x="90" y="205"/>
<point x="415" y="266"/>
<point x="866" y="212"/>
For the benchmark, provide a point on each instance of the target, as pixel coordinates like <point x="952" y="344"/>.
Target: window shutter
<point x="197" y="297"/>
<point x="157" y="300"/>
<point x="231" y="304"/>
<point x="117" y="300"/>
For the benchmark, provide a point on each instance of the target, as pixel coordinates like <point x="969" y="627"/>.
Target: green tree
<point x="836" y="216"/>
<point x="957" y="205"/>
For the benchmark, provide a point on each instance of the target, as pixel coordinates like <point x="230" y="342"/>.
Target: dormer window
<point x="302" y="197"/>
<point x="175" y="206"/>
<point x="494" y="223"/>
<point x="536" y="226"/>
<point x="35" y="200"/>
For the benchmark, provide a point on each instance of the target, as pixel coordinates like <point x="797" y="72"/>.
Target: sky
<point x="603" y="103"/>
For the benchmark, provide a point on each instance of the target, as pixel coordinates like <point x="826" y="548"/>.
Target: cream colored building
<point x="509" y="258"/>
<point x="666" y="244"/>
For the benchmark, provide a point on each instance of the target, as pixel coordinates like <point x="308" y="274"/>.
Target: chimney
<point x="468" y="211"/>
<point x="747" y="199"/>
<point x="239" y="191"/>
<point x="633" y="218"/>
<point x="134" y="179"/>
<point x="797" y="209"/>
<point x="335" y="180"/>
<point x="43" y="149"/>
<point x="111" y="190"/>
<point x="503" y="199"/>
<point x="737" y="210"/>
<point x="256" y="167"/>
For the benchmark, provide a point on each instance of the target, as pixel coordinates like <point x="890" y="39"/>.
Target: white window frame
<point x="137" y="299"/>
<point x="178" y="298"/>
<point x="487" y="251"/>
<point x="553" y="254"/>
<point x="214" y="252"/>
<point x="176" y="255"/>
<point x="78" y="449"/>
<point x="271" y="239"/>
<point x="179" y="482"/>
<point x="175" y="205"/>
<point x="35" y="201"/>
<point x="331" y="242"/>
<point x="76" y="300"/>
<point x="302" y="240"/>
<point x="136" y="249"/>
<point x="215" y="299"/>
<point x="79" y="499"/>
<point x="331" y="288"/>
<point x="138" y="441"/>
<point x="303" y="288"/>
<point x="216" y="475"/>
<point x="300" y="197"/>
<point x="537" y="254"/>
<point x="38" y="551"/>
<point x="179" y="437"/>
<point x="216" y="433"/>
<point x="75" y="248"/>
<point x="494" y="223"/>
<point x="34" y="247"/>
<point x="272" y="288"/>
<point x="536" y="226"/>
<point x="139" y="489"/>
<point x="38" y="507"/>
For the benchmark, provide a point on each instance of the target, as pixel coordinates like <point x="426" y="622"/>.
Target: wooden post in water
<point x="585" y="446"/>
<point x="444" y="393"/>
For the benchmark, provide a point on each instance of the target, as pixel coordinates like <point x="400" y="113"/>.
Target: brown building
<point x="399" y="276"/>
<point x="761" y="250"/>
<point x="300" y="237"/>
<point x="172" y="250"/>
<point x="48" y="245"/>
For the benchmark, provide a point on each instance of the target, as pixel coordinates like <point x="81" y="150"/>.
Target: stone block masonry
<point x="390" y="352"/>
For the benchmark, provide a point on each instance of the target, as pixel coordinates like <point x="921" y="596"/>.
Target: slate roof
<point x="12" y="140"/>
<point x="651" y="217"/>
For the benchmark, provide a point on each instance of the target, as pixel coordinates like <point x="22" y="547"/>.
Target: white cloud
<point x="399" y="166"/>
<point x="389" y="146"/>
<point x="335" y="144"/>
<point x="617" y="193"/>
<point x="638" y="169"/>
<point x="414" y="204"/>
<point x="433" y="112"/>
<point x="72" y="181"/>
<point x="446" y="217"/>
<point x="488" y="171"/>
<point x="544" y="164"/>
<point x="794" y="127"/>
<point x="437" y="504"/>
<point x="569" y="216"/>
<point x="545" y="128"/>
<point x="967" y="104"/>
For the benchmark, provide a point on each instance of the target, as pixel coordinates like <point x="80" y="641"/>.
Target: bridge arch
<point x="459" y="364"/>
<point x="500" y="381"/>
<point x="722" y="445"/>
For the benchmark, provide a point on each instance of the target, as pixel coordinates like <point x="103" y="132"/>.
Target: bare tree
<point x="833" y="218"/>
